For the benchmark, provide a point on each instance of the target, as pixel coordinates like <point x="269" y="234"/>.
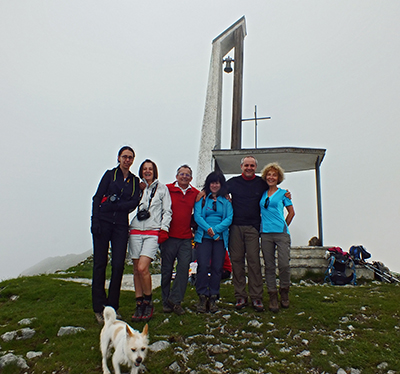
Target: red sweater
<point x="182" y="208"/>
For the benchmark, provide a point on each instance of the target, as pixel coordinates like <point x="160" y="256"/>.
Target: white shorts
<point x="142" y="245"/>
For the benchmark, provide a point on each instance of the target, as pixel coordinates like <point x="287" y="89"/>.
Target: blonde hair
<point x="273" y="166"/>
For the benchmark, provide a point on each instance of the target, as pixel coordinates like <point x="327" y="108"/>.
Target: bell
<point x="228" y="68"/>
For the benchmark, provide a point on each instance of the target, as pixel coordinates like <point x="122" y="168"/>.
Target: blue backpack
<point x="358" y="253"/>
<point x="341" y="268"/>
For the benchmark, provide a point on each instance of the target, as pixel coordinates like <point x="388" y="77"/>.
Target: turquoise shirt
<point x="272" y="218"/>
<point x="219" y="219"/>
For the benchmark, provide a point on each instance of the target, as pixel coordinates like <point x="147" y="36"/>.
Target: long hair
<point x="215" y="176"/>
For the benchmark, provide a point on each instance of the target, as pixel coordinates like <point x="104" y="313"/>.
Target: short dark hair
<point x="215" y="176"/>
<point x="184" y="166"/>
<point x="155" y="170"/>
<point x="126" y="148"/>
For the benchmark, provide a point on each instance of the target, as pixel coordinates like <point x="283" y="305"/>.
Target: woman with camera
<point x="148" y="228"/>
<point x="117" y="195"/>
<point x="213" y="214"/>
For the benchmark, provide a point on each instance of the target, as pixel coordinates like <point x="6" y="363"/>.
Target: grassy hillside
<point x="325" y="328"/>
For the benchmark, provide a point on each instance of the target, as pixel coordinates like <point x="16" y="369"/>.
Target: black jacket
<point x="127" y="193"/>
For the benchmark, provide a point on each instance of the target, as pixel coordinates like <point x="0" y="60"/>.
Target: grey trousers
<point x="244" y="244"/>
<point x="269" y="244"/>
<point x="181" y="250"/>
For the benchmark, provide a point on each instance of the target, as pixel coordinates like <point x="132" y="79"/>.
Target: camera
<point x="143" y="214"/>
<point x="113" y="198"/>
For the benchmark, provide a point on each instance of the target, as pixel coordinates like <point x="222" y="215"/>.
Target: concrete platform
<point x="313" y="259"/>
<point x="304" y="259"/>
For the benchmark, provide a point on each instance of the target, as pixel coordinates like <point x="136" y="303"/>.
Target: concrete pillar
<point x="211" y="129"/>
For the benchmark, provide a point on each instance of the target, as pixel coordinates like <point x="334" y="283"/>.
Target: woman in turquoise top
<point x="275" y="235"/>
<point x="213" y="214"/>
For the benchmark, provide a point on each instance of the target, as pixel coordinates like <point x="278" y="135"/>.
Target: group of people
<point x="229" y="215"/>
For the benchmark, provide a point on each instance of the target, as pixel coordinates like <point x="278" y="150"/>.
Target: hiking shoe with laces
<point x="273" y="301"/>
<point x="137" y="316"/>
<point x="167" y="309"/>
<point x="240" y="303"/>
<point x="258" y="305"/>
<point x="99" y="318"/>
<point x="284" y="297"/>
<point x="176" y="308"/>
<point x="213" y="307"/>
<point x="202" y="305"/>
<point x="148" y="310"/>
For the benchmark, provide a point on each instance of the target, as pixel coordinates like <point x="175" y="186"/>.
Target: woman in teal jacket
<point x="213" y="214"/>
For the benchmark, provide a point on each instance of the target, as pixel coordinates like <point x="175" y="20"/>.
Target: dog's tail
<point x="109" y="315"/>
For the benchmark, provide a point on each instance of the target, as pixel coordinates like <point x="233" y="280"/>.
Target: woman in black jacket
<point x="117" y="195"/>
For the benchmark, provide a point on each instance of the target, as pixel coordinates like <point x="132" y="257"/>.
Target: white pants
<point x="142" y="245"/>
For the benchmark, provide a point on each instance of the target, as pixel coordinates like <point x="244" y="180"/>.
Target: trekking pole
<point x="377" y="271"/>
<point x="388" y="277"/>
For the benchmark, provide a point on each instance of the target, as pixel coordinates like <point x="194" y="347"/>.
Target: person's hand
<point x="200" y="196"/>
<point x="95" y="228"/>
<point x="210" y="232"/>
<point x="288" y="195"/>
<point x="162" y="236"/>
<point x="217" y="238"/>
<point x="142" y="185"/>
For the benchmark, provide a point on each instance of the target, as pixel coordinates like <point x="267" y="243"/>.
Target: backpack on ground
<point x="358" y="253"/>
<point x="341" y="268"/>
<point x="381" y="272"/>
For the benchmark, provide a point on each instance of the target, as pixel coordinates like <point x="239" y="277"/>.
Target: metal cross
<point x="255" y="123"/>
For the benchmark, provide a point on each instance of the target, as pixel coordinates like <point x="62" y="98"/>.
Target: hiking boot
<point x="258" y="305"/>
<point x="213" y="307"/>
<point x="284" y="297"/>
<point x="99" y="318"/>
<point x="241" y="303"/>
<point x="137" y="316"/>
<point x="273" y="301"/>
<point x="176" y="308"/>
<point x="166" y="308"/>
<point x="202" y="305"/>
<point x="147" y="311"/>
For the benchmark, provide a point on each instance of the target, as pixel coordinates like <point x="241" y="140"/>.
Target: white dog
<point x="130" y="345"/>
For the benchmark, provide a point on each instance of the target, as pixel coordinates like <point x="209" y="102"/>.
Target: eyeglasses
<point x="214" y="206"/>
<point x="185" y="175"/>
<point x="128" y="158"/>
<point x="266" y="202"/>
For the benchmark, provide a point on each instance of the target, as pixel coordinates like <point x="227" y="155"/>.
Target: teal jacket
<point x="220" y="230"/>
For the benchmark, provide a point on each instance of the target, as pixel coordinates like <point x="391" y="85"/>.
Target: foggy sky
<point x="78" y="80"/>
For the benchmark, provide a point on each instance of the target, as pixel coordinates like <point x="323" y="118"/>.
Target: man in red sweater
<point x="179" y="244"/>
